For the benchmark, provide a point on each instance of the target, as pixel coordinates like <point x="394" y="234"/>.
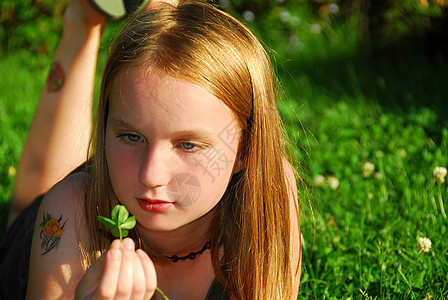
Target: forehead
<point x="137" y="94"/>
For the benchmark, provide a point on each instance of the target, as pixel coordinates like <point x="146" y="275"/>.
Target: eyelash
<point x="126" y="139"/>
<point x="195" y="146"/>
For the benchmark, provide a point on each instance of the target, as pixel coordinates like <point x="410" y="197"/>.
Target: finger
<point x="109" y="280"/>
<point x="139" y="283"/>
<point x="150" y="273"/>
<point x="89" y="281"/>
<point x="126" y="276"/>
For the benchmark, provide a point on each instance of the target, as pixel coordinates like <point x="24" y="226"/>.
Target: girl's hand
<point x="81" y="16"/>
<point x="121" y="273"/>
<point x="154" y="3"/>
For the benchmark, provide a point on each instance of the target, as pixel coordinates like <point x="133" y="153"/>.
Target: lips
<point x="154" y="205"/>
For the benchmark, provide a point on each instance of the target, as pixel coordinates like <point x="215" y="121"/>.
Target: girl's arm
<point x="295" y="226"/>
<point x="56" y="263"/>
<point x="55" y="259"/>
<point x="59" y="135"/>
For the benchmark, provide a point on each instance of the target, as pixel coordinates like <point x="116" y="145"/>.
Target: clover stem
<point x="162" y="293"/>
<point x="120" y="232"/>
<point x="442" y="208"/>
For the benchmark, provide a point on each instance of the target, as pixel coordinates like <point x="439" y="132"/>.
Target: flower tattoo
<point x="56" y="77"/>
<point x="51" y="232"/>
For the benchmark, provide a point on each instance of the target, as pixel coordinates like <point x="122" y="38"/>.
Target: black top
<point x="217" y="292"/>
<point x="15" y="252"/>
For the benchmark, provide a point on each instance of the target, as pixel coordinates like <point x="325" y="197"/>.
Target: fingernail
<point x="115" y="244"/>
<point x="141" y="253"/>
<point x="115" y="253"/>
<point x="128" y="244"/>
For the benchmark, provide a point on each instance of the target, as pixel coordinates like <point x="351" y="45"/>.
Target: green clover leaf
<point x="129" y="223"/>
<point x="107" y="222"/>
<point x="120" y="222"/>
<point x="122" y="214"/>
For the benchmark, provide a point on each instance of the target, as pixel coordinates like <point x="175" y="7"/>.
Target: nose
<point x="155" y="167"/>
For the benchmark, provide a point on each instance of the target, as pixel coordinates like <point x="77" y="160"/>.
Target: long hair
<point x="201" y="44"/>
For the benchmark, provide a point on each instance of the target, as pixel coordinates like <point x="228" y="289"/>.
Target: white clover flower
<point x="285" y="15"/>
<point x="439" y="173"/>
<point x="334" y="8"/>
<point x="369" y="196"/>
<point x="378" y="175"/>
<point x="249" y="16"/>
<point x="11" y="171"/>
<point x="315" y="28"/>
<point x="423" y="244"/>
<point x="367" y="169"/>
<point x="333" y="182"/>
<point x="401" y="153"/>
<point x="319" y="180"/>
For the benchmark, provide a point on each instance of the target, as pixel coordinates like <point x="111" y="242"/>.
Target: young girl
<point x="189" y="140"/>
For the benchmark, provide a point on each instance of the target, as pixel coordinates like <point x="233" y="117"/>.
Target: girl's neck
<point x="184" y="240"/>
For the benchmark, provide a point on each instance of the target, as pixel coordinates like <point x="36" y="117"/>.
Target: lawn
<point x="366" y="133"/>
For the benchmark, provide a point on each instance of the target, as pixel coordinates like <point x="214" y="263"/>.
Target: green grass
<point x="21" y="78"/>
<point x="341" y="109"/>
<point x="362" y="236"/>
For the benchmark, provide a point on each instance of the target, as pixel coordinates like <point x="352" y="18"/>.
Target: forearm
<point x="59" y="135"/>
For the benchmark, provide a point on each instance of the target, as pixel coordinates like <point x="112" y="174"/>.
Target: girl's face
<point x="171" y="149"/>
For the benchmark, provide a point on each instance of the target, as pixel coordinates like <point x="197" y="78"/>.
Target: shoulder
<point x="55" y="257"/>
<point x="291" y="182"/>
<point x="296" y="247"/>
<point x="72" y="186"/>
<point x="66" y="199"/>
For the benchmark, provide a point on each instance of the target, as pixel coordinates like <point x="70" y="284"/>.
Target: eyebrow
<point x="121" y="123"/>
<point x="195" y="134"/>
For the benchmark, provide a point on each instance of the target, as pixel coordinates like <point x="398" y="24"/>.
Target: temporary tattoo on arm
<point x="56" y="77"/>
<point x="51" y="232"/>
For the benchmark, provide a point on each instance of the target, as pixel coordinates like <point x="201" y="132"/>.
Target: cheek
<point x="185" y="188"/>
<point x="206" y="177"/>
<point x="216" y="162"/>
<point x="121" y="164"/>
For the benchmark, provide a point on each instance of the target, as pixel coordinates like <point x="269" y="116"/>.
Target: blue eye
<point x="131" y="138"/>
<point x="188" y="146"/>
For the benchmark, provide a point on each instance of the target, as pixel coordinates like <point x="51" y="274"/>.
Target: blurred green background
<point x="364" y="103"/>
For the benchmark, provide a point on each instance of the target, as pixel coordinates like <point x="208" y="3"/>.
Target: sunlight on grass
<point x="362" y="234"/>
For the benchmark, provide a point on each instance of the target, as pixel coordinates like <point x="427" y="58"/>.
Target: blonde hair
<point x="199" y="43"/>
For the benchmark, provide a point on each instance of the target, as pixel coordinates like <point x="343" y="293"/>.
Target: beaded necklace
<point x="191" y="255"/>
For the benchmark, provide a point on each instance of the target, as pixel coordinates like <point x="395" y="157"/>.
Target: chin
<point x="159" y="225"/>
